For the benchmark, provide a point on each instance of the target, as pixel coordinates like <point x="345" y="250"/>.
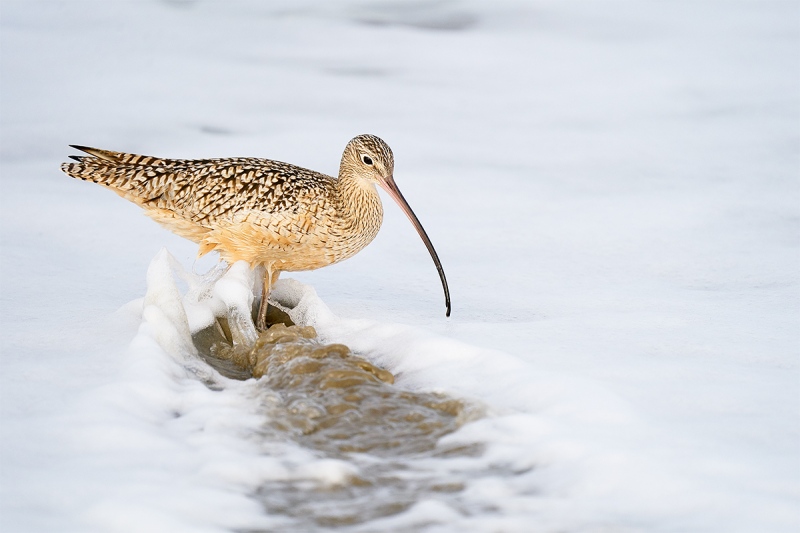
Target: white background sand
<point x="613" y="190"/>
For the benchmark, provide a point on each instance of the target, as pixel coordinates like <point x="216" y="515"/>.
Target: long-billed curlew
<point x="268" y="213"/>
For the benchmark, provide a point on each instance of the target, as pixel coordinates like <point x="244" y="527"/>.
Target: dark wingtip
<point x="76" y="158"/>
<point x="81" y="148"/>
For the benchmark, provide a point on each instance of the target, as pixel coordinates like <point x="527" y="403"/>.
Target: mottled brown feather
<point x="261" y="211"/>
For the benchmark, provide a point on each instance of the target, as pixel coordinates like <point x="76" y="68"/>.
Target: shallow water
<point x="339" y="405"/>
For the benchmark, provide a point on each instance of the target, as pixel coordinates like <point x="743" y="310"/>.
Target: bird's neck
<point x="360" y="207"/>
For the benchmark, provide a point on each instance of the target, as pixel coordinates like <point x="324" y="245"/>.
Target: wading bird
<point x="268" y="213"/>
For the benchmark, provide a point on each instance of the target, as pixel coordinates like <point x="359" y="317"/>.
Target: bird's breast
<point x="314" y="234"/>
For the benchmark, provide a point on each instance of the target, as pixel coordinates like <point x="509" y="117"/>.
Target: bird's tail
<point x="126" y="174"/>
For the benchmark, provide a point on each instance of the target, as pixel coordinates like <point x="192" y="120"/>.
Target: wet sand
<point x="336" y="403"/>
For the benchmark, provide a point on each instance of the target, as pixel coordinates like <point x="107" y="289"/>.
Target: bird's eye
<point x="366" y="159"/>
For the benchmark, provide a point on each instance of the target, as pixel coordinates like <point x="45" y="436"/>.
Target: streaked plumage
<point x="265" y="212"/>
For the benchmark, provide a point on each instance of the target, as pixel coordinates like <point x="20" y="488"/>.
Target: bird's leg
<point x="270" y="277"/>
<point x="261" y="320"/>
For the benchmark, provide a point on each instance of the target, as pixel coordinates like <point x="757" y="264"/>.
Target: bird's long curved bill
<point x="390" y="187"/>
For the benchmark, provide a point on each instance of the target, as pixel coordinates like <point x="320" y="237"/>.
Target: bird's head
<point x="370" y="160"/>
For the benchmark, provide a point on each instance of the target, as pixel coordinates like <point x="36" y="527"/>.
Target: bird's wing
<point x="203" y="191"/>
